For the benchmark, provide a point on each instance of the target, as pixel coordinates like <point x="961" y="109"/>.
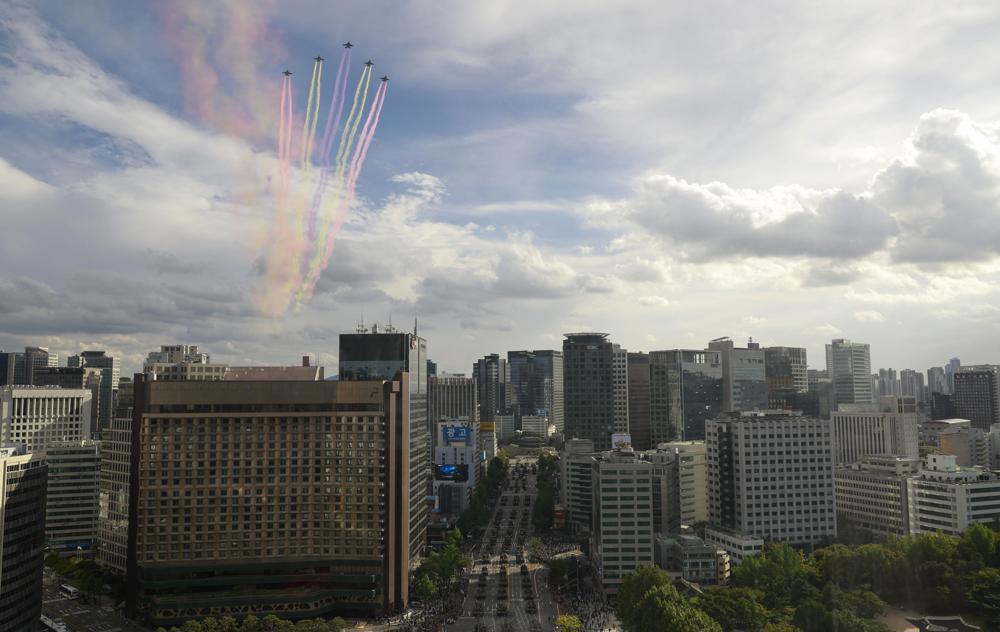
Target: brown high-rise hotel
<point x="289" y="498"/>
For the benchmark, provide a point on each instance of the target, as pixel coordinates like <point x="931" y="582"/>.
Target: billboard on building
<point x="457" y="473"/>
<point x="456" y="434"/>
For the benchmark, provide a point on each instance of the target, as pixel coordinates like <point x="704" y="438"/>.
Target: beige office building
<point x="254" y="497"/>
<point x="872" y="494"/>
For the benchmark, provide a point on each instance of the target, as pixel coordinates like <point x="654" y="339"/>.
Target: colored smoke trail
<point x="312" y="264"/>
<point x="312" y="115"/>
<point x="367" y="134"/>
<point x="226" y="51"/>
<point x="326" y="142"/>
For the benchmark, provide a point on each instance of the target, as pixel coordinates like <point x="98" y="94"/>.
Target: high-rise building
<point x="744" y="378"/>
<point x="110" y="372"/>
<point x="288" y="498"/>
<point x="619" y="386"/>
<point x="888" y="383"/>
<point x="432" y="368"/>
<point x="787" y="375"/>
<point x="872" y="496"/>
<point x="820" y="394"/>
<point x="451" y="397"/>
<point x="576" y="486"/>
<point x="946" y="498"/>
<point x="888" y="428"/>
<point x="638" y="400"/>
<point x="11" y="368"/>
<point x="942" y="406"/>
<point x="182" y="362"/>
<point x="589" y="389"/>
<point x="972" y="447"/>
<point x="911" y="384"/>
<point x="380" y="355"/>
<point x="976" y="394"/>
<point x="536" y="383"/>
<point x="113" y="491"/>
<point x="39" y="416"/>
<point x="622" y="501"/>
<point x="36" y="358"/>
<point x="685" y="389"/>
<point x="937" y="382"/>
<point x="72" y="504"/>
<point x="681" y="482"/>
<point x="22" y="539"/>
<point x="850" y="368"/>
<point x="456" y="464"/>
<point x="771" y="475"/>
<point x="492" y="377"/>
<point x="950" y="370"/>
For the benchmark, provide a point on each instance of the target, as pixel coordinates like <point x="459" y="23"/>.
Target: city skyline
<point x="538" y="171"/>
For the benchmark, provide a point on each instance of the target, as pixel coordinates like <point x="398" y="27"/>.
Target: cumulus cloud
<point x="945" y="194"/>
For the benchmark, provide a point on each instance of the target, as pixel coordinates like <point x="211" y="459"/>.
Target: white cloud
<point x="869" y="316"/>
<point x="827" y="329"/>
<point x="653" y="301"/>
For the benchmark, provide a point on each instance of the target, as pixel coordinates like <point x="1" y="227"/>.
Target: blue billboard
<point x="456" y="434"/>
<point x="458" y="473"/>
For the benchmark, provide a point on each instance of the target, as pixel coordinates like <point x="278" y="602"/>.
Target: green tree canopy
<point x="735" y="608"/>
<point x="568" y="623"/>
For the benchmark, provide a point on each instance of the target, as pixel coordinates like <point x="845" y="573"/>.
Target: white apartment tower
<point x="770" y="474"/>
<point x="888" y="428"/>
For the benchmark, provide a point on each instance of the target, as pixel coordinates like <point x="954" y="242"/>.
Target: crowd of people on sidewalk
<point x="556" y="545"/>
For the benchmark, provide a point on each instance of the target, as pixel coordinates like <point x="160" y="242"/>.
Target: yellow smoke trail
<point x="343" y="152"/>
<point x="313" y="89"/>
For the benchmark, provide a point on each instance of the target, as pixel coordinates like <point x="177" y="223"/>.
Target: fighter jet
<point x="385" y="78"/>
<point x="369" y="63"/>
<point x="287" y="73"/>
<point x="348" y="44"/>
<point x="317" y="58"/>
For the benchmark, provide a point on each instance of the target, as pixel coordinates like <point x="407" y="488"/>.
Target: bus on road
<point x="68" y="591"/>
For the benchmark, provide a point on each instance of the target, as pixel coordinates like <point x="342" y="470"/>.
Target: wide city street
<point x="506" y="592"/>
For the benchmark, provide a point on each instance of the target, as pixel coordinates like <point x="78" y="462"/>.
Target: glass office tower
<point x="379" y="355"/>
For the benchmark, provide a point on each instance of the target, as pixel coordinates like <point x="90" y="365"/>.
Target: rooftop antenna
<point x="360" y="329"/>
<point x="414" y="325"/>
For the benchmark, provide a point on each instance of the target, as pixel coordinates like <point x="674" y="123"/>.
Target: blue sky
<point x="666" y="172"/>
